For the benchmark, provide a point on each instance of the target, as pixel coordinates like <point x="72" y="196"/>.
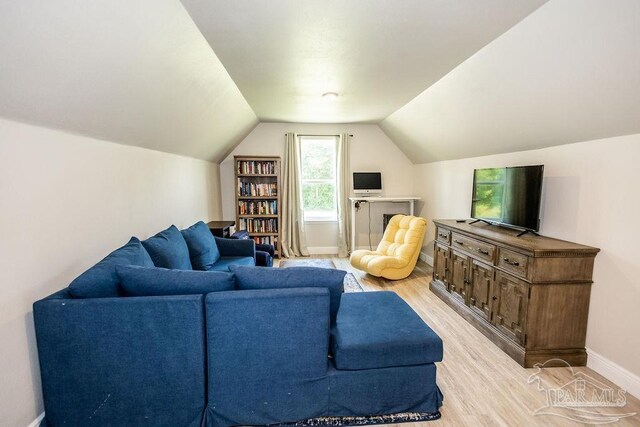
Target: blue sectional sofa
<point x="142" y="338"/>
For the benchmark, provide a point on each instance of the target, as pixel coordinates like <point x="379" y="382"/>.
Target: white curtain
<point x="343" y="188"/>
<point x="294" y="241"/>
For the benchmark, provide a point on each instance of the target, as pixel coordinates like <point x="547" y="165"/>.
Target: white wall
<point x="67" y="201"/>
<point x="371" y="150"/>
<point x="590" y="196"/>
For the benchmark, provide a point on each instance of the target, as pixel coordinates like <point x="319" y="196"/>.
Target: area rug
<point x="351" y="284"/>
<point x="320" y="263"/>
<point x="406" y="417"/>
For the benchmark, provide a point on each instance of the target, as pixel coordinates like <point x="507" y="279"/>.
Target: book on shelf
<point x="262" y="207"/>
<point x="257" y="189"/>
<point x="266" y="240"/>
<point x="259" y="225"/>
<point x="253" y="167"/>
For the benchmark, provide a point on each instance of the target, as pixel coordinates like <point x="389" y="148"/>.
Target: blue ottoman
<point x="383" y="359"/>
<point x="380" y="330"/>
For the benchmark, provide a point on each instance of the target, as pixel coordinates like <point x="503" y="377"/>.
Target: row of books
<point x="256" y="167"/>
<point x="266" y="240"/>
<point x="257" y="225"/>
<point x="257" y="189"/>
<point x="263" y="207"/>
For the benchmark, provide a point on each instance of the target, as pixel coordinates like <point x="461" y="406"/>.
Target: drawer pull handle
<point x="483" y="251"/>
<point x="444" y="236"/>
<point x="460" y="242"/>
<point x="514" y="263"/>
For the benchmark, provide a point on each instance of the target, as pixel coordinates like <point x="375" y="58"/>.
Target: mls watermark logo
<point x="582" y="398"/>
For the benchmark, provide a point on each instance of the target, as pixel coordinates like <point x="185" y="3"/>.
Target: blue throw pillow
<point x="203" y="250"/>
<point x="294" y="277"/>
<point x="101" y="280"/>
<point x="168" y="249"/>
<point x="155" y="281"/>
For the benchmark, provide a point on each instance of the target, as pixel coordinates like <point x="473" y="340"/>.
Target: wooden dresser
<point x="528" y="294"/>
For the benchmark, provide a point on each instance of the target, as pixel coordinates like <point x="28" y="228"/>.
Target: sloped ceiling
<point x="134" y="72"/>
<point x="376" y="54"/>
<point x="569" y="72"/>
<point x="141" y="72"/>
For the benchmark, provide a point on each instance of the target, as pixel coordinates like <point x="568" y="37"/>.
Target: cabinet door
<point x="510" y="306"/>
<point x="459" y="276"/>
<point x="441" y="265"/>
<point x="480" y="290"/>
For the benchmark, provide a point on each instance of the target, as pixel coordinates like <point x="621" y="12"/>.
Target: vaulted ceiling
<point x="444" y="79"/>
<point x="376" y="54"/>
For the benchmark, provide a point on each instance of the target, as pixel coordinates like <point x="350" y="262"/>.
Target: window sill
<point x="320" y="220"/>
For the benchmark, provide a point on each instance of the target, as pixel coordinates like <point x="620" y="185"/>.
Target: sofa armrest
<point x="263" y="259"/>
<point x="270" y="249"/>
<point x="267" y="355"/>
<point x="122" y="361"/>
<point x="234" y="247"/>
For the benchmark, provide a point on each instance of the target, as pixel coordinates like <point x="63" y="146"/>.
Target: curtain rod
<point x="306" y="134"/>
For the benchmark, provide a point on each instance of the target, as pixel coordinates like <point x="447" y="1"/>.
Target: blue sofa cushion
<point x="380" y="330"/>
<point x="101" y="280"/>
<point x="225" y="262"/>
<point x="122" y="361"/>
<point x="203" y="250"/>
<point x="155" y="281"/>
<point x="168" y="249"/>
<point x="294" y="277"/>
<point x="267" y="356"/>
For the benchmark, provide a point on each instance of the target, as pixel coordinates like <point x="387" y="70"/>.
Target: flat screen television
<point x="508" y="196"/>
<point x="367" y="183"/>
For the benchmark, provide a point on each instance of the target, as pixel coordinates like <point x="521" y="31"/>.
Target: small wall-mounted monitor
<point x="367" y="183"/>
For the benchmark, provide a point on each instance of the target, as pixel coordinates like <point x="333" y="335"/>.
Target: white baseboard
<point x="323" y="250"/>
<point x="37" y="421"/>
<point x="612" y="371"/>
<point x="426" y="258"/>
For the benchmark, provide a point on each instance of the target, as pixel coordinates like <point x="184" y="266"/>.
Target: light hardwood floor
<point x="482" y="386"/>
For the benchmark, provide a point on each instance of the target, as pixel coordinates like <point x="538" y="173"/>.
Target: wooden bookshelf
<point x="258" y="190"/>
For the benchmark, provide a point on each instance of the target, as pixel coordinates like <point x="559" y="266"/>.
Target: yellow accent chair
<point x="397" y="254"/>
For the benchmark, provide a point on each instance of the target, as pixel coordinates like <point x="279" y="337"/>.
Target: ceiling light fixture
<point x="330" y="95"/>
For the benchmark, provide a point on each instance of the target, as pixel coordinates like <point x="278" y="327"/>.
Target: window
<point x="319" y="177"/>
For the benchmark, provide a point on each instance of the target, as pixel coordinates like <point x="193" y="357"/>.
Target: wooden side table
<point x="221" y="228"/>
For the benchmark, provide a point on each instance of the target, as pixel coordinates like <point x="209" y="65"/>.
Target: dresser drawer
<point x="443" y="236"/>
<point x="480" y="250"/>
<point x="513" y="262"/>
